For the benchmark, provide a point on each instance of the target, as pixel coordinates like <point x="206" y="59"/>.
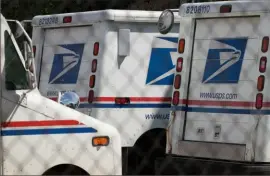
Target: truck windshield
<point x="15" y="73"/>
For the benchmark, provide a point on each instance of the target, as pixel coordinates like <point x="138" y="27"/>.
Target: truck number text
<point x="198" y="9"/>
<point x="50" y="20"/>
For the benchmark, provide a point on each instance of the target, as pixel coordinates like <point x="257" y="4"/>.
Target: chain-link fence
<point x="191" y="101"/>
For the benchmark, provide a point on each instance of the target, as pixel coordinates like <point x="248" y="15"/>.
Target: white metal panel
<point x="232" y="130"/>
<point x="127" y="77"/>
<point x="55" y="39"/>
<point x="42" y="109"/>
<point x="61" y="36"/>
<point x="132" y="70"/>
<point x="221" y="81"/>
<point x="227" y="27"/>
<point x="212" y="150"/>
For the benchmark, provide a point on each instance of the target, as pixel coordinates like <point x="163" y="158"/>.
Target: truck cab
<point x="41" y="136"/>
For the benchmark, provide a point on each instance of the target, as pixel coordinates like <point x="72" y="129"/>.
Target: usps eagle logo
<point x="66" y="64"/>
<point x="162" y="61"/>
<point x="224" y="60"/>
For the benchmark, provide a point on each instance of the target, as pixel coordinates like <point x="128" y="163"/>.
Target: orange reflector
<point x="176" y="95"/>
<point x="179" y="64"/>
<point x="67" y="19"/>
<point x="177" y="81"/>
<point x="96" y="49"/>
<point x="263" y="62"/>
<point x="259" y="101"/>
<point x="181" y="45"/>
<point x="225" y="8"/>
<point x="265" y="44"/>
<point x="94" y="66"/>
<point x="124" y="100"/>
<point x="92" y="81"/>
<point x="260" y="83"/>
<point x="100" y="141"/>
<point x="90" y="96"/>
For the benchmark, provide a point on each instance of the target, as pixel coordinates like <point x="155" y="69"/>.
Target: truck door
<point x="14" y="85"/>
<point x="222" y="81"/>
<point x="66" y="61"/>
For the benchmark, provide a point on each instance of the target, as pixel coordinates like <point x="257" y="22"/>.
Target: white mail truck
<point x="220" y="116"/>
<point x="121" y="68"/>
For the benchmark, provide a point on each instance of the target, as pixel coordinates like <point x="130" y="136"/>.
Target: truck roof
<point x="89" y="17"/>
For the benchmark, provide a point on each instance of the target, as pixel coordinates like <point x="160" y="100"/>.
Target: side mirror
<point x="69" y="99"/>
<point x="28" y="54"/>
<point x="165" y="21"/>
<point x="29" y="64"/>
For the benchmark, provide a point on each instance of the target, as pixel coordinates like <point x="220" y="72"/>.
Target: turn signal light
<point x="100" y="141"/>
<point x="181" y="46"/>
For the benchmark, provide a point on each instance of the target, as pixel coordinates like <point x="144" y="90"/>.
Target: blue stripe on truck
<point x="221" y="110"/>
<point x="138" y="105"/>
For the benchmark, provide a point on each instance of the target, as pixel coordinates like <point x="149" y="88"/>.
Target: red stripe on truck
<point x="40" y="123"/>
<point x="134" y="99"/>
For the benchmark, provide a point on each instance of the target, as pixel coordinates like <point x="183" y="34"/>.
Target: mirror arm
<point x="29" y="60"/>
<point x="59" y="97"/>
<point x="174" y="10"/>
<point x="23" y="21"/>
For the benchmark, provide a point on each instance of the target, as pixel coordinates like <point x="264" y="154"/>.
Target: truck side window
<point x="15" y="73"/>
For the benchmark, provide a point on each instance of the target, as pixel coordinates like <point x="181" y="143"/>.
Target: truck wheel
<point x="66" y="169"/>
<point x="147" y="150"/>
